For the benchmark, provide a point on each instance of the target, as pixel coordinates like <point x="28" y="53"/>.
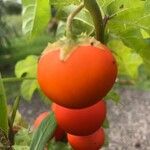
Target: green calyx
<point x="67" y="46"/>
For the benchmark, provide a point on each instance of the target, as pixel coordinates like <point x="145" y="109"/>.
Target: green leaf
<point x="27" y="66"/>
<point x="60" y="3"/>
<point x="145" y="54"/>
<point x="145" y="34"/>
<point x="60" y="29"/>
<point x="106" y="144"/>
<point x="133" y="38"/>
<point x="112" y="95"/>
<point x="128" y="61"/>
<point x="3" y="109"/>
<point x="127" y="21"/>
<point x="23" y="138"/>
<point x="58" y="146"/>
<point x="18" y="147"/>
<point x="106" y="124"/>
<point x="114" y="7"/>
<point x="28" y="2"/>
<point x="27" y="88"/>
<point x="44" y="132"/>
<point x="36" y="15"/>
<point x="82" y="19"/>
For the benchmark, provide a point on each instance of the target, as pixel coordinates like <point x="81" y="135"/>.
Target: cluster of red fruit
<point x="77" y="86"/>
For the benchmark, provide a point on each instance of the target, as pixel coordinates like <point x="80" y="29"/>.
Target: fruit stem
<point x="70" y="19"/>
<point x="14" y="79"/>
<point x="93" y="8"/>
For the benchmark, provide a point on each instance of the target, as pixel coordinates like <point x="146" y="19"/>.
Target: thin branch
<point x="15" y="79"/>
<point x="70" y="19"/>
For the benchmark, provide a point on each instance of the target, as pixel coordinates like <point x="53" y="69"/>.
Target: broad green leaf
<point x="125" y="20"/>
<point x="143" y="83"/>
<point x="145" y="34"/>
<point x="60" y="29"/>
<point x="60" y="3"/>
<point x="128" y="61"/>
<point x="44" y="132"/>
<point x="27" y="66"/>
<point x="3" y="109"/>
<point x="103" y="4"/>
<point x="36" y="15"/>
<point x="28" y="2"/>
<point x="145" y="54"/>
<point x="115" y="7"/>
<point x="147" y="65"/>
<point x="85" y="17"/>
<point x="133" y="38"/>
<point x="127" y="24"/>
<point x="27" y="88"/>
<point x="112" y="95"/>
<point x="82" y="20"/>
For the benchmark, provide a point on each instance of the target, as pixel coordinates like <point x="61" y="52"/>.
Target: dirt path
<point x="129" y="122"/>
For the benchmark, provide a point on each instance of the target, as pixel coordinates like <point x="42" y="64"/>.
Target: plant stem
<point x="15" y="79"/>
<point x="70" y="19"/>
<point x="11" y="134"/>
<point x="93" y="8"/>
<point x="3" y="109"/>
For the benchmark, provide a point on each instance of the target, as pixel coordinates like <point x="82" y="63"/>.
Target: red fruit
<point x="79" y="81"/>
<point x="81" y="121"/>
<point x="91" y="142"/>
<point x="59" y="133"/>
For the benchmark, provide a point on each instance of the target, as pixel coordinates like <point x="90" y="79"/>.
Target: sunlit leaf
<point x="128" y="61"/>
<point x="27" y="88"/>
<point x="36" y="15"/>
<point x="27" y="66"/>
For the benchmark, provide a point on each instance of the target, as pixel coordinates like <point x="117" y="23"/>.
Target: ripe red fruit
<point x="91" y="142"/>
<point x="81" y="121"/>
<point x="79" y="81"/>
<point x="59" y="133"/>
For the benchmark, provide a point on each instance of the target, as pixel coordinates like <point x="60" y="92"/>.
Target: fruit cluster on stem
<point x="76" y="74"/>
